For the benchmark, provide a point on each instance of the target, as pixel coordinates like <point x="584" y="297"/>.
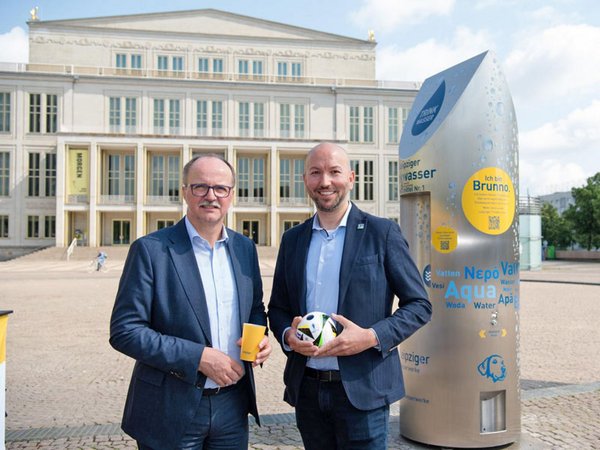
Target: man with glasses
<point x="184" y="294"/>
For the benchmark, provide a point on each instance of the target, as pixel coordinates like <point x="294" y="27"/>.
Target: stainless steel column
<point x="459" y="211"/>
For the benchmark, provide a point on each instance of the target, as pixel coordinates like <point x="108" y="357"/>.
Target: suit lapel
<point x="301" y="257"/>
<point x="356" y="227"/>
<point x="186" y="268"/>
<point x="245" y="304"/>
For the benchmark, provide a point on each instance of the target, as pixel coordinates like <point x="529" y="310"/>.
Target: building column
<point x="94" y="227"/>
<point x="140" y="181"/>
<point x="273" y="237"/>
<point x="62" y="240"/>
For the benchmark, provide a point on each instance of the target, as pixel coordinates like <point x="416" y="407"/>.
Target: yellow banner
<point x="79" y="172"/>
<point x="3" y="323"/>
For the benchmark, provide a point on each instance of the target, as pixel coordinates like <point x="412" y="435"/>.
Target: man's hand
<point x="219" y="367"/>
<point x="264" y="350"/>
<point x="303" y="347"/>
<point x="352" y="340"/>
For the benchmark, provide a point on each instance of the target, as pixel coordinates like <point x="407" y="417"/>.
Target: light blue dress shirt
<point x="323" y="276"/>
<point x="221" y="294"/>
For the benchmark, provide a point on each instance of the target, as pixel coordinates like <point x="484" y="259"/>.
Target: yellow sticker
<point x="444" y="239"/>
<point x="488" y="200"/>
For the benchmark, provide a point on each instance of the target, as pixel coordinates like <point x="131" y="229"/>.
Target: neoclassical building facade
<point x="96" y="128"/>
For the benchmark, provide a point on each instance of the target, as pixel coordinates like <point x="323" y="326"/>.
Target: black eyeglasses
<point x="201" y="190"/>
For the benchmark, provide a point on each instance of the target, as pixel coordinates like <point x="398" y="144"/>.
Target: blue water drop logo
<point x="430" y="111"/>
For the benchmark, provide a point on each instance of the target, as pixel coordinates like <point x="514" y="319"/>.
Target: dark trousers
<point x="221" y="423"/>
<point x="327" y="420"/>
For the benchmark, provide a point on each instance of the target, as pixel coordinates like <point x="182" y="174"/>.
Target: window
<point x="162" y="62"/>
<point x="4" y="174"/>
<point x="285" y="68"/>
<point x="202" y="117"/>
<point x="393" y="181"/>
<point x="282" y="69"/>
<point x="251" y="117"/>
<point x="243" y="66"/>
<point x="3" y="226"/>
<point x="299" y="121"/>
<point x="364" y="180"/>
<point x="50" y="226"/>
<point x="174" y="116"/>
<point x="159" y="116"/>
<point x="259" y="119"/>
<point x="50" y="175"/>
<point x="296" y="70"/>
<point x="49" y="121"/>
<point x="217" y="118"/>
<point x="244" y="118"/>
<point x="361" y="124"/>
<point x="203" y="65"/>
<point x="115" y="115"/>
<point x="121" y="177"/>
<point x="120" y="60"/>
<point x="35" y="178"/>
<point x="164" y="178"/>
<point x="393" y="126"/>
<point x="136" y="61"/>
<point x="289" y="114"/>
<point x="251" y="177"/>
<point x="33" y="227"/>
<point x="217" y="65"/>
<point x="33" y="175"/>
<point x="4" y="112"/>
<point x="177" y="63"/>
<point x="257" y="67"/>
<point x="368" y="124"/>
<point x="354" y="124"/>
<point x="291" y="184"/>
<point x="396" y="120"/>
<point x="284" y="120"/>
<point x="51" y="113"/>
<point x="35" y="113"/>
<point x="130" y="114"/>
<point x="160" y="224"/>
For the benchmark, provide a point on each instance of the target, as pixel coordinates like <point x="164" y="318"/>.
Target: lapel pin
<point x="360" y="226"/>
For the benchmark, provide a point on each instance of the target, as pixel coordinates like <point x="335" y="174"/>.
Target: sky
<point x="549" y="51"/>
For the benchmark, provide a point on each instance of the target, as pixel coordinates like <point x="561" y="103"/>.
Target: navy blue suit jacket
<point x="376" y="265"/>
<point x="161" y="320"/>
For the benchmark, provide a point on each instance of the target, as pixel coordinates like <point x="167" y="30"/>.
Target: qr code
<point x="494" y="222"/>
<point x="445" y="245"/>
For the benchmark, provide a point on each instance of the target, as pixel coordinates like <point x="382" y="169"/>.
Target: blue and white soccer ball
<point x="316" y="327"/>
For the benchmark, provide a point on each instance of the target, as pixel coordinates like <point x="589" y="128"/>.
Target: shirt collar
<point x="317" y="226"/>
<point x="192" y="233"/>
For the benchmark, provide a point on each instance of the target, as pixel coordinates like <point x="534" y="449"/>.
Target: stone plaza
<point x="66" y="386"/>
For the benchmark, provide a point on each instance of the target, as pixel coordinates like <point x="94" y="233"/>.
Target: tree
<point x="555" y="228"/>
<point x="585" y="213"/>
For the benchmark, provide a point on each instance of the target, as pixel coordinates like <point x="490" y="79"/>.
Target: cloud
<point x="578" y="131"/>
<point x="549" y="176"/>
<point x="559" y="61"/>
<point x="430" y="57"/>
<point x="569" y="148"/>
<point x="386" y="15"/>
<point x="14" y="46"/>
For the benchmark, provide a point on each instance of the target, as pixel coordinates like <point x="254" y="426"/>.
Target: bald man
<point x="350" y="265"/>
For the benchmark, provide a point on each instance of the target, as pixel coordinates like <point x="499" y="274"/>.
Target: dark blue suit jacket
<point x="161" y="320"/>
<point x="376" y="265"/>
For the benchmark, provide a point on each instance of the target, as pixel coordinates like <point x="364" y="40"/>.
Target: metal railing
<point x="531" y="206"/>
<point x="74" y="70"/>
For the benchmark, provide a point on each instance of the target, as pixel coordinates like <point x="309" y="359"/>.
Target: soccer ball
<point x="316" y="327"/>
